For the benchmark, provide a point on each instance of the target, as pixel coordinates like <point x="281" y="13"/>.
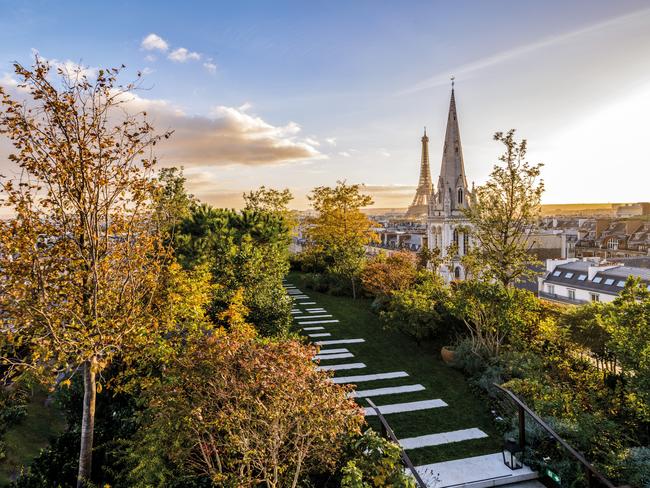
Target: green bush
<point x="635" y="467"/>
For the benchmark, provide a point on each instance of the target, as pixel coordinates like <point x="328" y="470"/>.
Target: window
<point x="557" y="273"/>
<point x="460" y="195"/>
<point x="568" y="275"/>
<point x="457" y="273"/>
<point x="465" y="242"/>
<point x="572" y="294"/>
<point x="550" y="289"/>
<point x="597" y="279"/>
<point x="595" y="297"/>
<point x="609" y="281"/>
<point x="456" y="238"/>
<point x="582" y="277"/>
<point x="621" y="283"/>
<point x="612" y="244"/>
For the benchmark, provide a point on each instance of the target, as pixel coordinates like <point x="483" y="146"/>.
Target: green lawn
<point x="25" y="440"/>
<point x="386" y="351"/>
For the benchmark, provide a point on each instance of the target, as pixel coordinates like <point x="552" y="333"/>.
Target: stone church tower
<point x="446" y="220"/>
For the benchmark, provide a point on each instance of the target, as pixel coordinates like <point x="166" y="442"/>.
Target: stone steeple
<point x="452" y="182"/>
<point x="420" y="204"/>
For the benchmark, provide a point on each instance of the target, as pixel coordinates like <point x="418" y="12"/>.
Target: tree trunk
<point x="354" y="290"/>
<point x="87" y="424"/>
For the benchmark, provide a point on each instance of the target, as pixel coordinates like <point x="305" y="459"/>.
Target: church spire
<point x="452" y="169"/>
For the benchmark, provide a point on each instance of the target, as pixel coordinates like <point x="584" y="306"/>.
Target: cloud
<point x="147" y="71"/>
<point x="331" y="141"/>
<point x="181" y="55"/>
<point x="154" y="42"/>
<point x="384" y="152"/>
<point x="229" y="135"/>
<point x="466" y="70"/>
<point x="311" y="141"/>
<point x="8" y="81"/>
<point x="391" y="195"/>
<point x="150" y="58"/>
<point x="210" y="66"/>
<point x="345" y="154"/>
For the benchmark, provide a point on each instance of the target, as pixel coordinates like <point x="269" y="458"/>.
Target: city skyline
<point x="295" y="96"/>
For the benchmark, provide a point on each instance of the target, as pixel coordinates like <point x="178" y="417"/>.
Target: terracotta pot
<point x="447" y="354"/>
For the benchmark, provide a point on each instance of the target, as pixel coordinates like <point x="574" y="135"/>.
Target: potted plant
<point x="447" y="353"/>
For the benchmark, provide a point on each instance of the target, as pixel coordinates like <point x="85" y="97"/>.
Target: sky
<point x="301" y="94"/>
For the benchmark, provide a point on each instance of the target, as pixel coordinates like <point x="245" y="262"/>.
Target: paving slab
<point x="313" y="317"/>
<point x="306" y="303"/>
<point x="337" y="350"/>
<point x="325" y="334"/>
<point x="339" y="341"/>
<point x="406" y="407"/>
<point x="370" y="377"/>
<point x="313" y="328"/>
<point x="342" y="355"/>
<point x="341" y="367"/>
<point x="477" y="472"/>
<point x="442" y="438"/>
<point x="333" y="321"/>
<point x="394" y="390"/>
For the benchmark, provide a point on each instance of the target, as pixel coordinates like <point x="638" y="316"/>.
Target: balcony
<point x="561" y="298"/>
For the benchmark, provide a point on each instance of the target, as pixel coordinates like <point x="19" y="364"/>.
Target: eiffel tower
<point x="420" y="204"/>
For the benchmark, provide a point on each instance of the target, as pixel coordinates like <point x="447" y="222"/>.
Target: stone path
<point x="477" y="472"/>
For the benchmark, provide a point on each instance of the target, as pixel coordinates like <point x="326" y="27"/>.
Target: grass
<point x="25" y="439"/>
<point x="386" y="351"/>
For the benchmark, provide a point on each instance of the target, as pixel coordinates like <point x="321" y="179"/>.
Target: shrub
<point x="635" y="467"/>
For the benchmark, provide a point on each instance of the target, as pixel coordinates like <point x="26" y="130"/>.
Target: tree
<point x="337" y="236"/>
<point x="248" y="250"/>
<point x="627" y="320"/>
<point x="418" y="310"/>
<point x="246" y="412"/>
<point x="268" y="200"/>
<point x="80" y="263"/>
<point x="384" y="274"/>
<point x="503" y="214"/>
<point x="172" y="203"/>
<point x="495" y="315"/>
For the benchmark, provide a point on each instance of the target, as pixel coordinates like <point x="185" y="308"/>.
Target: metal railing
<point x="388" y="433"/>
<point x="594" y="477"/>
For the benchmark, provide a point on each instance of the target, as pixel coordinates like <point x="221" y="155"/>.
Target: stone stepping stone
<point x="442" y="438"/>
<point x="300" y="297"/>
<point x="406" y="407"/>
<point x="333" y="351"/>
<point x="370" y="377"/>
<point x="313" y="317"/>
<point x="315" y="309"/>
<point x="339" y="341"/>
<point x="334" y="321"/>
<point x="394" y="390"/>
<point x="340" y="367"/>
<point x="307" y="303"/>
<point x="313" y="328"/>
<point x="342" y="355"/>
<point x="327" y="334"/>
<point x="479" y="471"/>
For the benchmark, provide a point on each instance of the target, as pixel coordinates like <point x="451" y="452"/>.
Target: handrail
<point x="591" y="470"/>
<point x="405" y="459"/>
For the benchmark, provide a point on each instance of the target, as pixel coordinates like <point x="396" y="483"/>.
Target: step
<point x="392" y="390"/>
<point x="339" y="341"/>
<point x="341" y="367"/>
<point x="442" y="438"/>
<point x="343" y="355"/>
<point x="306" y="303"/>
<point x="406" y="407"/>
<point x="370" y="377"/>
<point x="324" y="334"/>
<point x="308" y="322"/>
<point x="474" y="472"/>
<point x="303" y="317"/>
<point x="336" y="350"/>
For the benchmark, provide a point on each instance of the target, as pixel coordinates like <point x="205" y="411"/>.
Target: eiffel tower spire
<point x="420" y="203"/>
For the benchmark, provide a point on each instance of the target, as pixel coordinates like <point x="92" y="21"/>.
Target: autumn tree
<point x="385" y="274"/>
<point x="503" y="214"/>
<point x="79" y="263"/>
<point x="172" y="202"/>
<point x="268" y="200"/>
<point x="246" y="412"/>
<point x="337" y="235"/>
